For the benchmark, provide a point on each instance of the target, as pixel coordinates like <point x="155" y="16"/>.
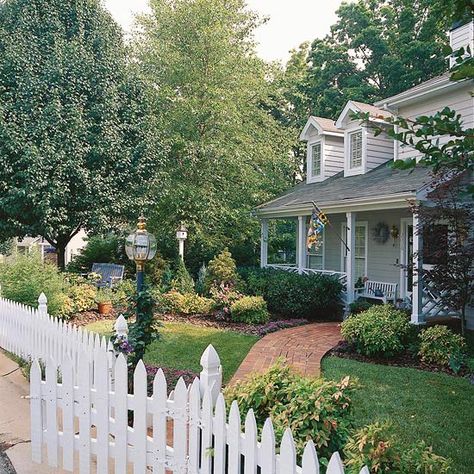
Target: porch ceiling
<point x="381" y="188"/>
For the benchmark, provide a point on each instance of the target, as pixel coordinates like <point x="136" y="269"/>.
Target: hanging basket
<point x="381" y="233"/>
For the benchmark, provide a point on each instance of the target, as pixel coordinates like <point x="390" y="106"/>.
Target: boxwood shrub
<point x="380" y="331"/>
<point x="294" y="295"/>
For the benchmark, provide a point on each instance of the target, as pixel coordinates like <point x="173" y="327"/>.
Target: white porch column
<point x="264" y="243"/>
<point x="350" y="260"/>
<point x="417" y="294"/>
<point x="301" y="244"/>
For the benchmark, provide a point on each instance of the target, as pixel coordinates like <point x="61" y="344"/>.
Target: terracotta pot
<point x="104" y="308"/>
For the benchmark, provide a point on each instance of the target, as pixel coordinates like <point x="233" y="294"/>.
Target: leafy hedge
<point x="294" y="295"/>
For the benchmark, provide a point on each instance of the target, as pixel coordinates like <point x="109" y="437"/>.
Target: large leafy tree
<point x="73" y="134"/>
<point x="226" y="152"/>
<point x="376" y="49"/>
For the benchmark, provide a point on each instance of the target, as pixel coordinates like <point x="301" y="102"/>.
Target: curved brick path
<point x="303" y="347"/>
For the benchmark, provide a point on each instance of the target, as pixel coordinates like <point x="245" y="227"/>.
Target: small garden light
<point x="140" y="247"/>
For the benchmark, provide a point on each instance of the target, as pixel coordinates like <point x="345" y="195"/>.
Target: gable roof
<point x="323" y="125"/>
<point x="375" y="113"/>
<point x="381" y="181"/>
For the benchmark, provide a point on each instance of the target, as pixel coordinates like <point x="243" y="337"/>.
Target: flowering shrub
<point x="439" y="345"/>
<point x="223" y="297"/>
<point x="375" y="447"/>
<point x="382" y="330"/>
<point x="313" y="408"/>
<point x="250" y="309"/>
<point x="82" y="296"/>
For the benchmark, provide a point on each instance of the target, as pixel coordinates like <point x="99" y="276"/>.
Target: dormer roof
<point x="324" y="126"/>
<point x="352" y="106"/>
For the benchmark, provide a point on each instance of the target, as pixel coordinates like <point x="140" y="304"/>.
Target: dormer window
<point x="355" y="149"/>
<point x="316" y="160"/>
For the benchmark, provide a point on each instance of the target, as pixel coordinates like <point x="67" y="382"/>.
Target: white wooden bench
<point x="378" y="290"/>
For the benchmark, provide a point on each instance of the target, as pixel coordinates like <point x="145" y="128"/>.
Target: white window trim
<point x="309" y="160"/>
<point x="348" y="171"/>
<point x="323" y="251"/>
<point x="365" y="224"/>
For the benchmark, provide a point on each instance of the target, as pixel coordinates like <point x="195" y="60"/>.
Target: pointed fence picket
<point x="108" y="426"/>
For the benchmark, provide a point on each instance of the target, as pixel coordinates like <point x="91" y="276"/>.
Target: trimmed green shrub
<point x="375" y="447"/>
<point x="380" y="331"/>
<point x="294" y="295"/>
<point x="250" y="310"/>
<point x="182" y="281"/>
<point x="313" y="408"/>
<point x="25" y="277"/>
<point x="201" y="280"/>
<point x="439" y="345"/>
<point x="221" y="271"/>
<point x="187" y="303"/>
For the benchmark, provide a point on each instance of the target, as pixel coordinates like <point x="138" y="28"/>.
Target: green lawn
<point x="436" y="408"/>
<point x="181" y="346"/>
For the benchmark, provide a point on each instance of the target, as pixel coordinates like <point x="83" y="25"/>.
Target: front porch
<point x="383" y="245"/>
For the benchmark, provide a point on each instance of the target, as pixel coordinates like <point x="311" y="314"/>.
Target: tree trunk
<point x="61" y="254"/>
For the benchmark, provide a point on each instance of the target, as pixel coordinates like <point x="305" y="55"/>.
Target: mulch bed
<point x="88" y="317"/>
<point x="405" y="359"/>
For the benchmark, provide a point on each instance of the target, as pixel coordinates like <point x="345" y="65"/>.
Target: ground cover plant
<point x="181" y="345"/>
<point x="419" y="405"/>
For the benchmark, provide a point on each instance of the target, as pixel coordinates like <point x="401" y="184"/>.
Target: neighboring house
<point x="47" y="251"/>
<point x="366" y="200"/>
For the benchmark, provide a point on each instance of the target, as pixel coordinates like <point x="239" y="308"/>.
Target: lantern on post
<point x="140" y="247"/>
<point x="181" y="235"/>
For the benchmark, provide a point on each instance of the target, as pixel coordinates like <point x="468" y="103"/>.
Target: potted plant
<point x="104" y="301"/>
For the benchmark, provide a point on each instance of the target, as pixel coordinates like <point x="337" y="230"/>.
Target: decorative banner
<point x="317" y="224"/>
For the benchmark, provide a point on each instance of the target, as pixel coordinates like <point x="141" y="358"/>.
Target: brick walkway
<point x="303" y="347"/>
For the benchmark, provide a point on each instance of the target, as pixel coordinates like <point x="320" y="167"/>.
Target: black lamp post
<point x="140" y="247"/>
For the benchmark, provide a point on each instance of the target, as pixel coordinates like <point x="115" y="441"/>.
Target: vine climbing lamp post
<point x="181" y="235"/>
<point x="140" y="247"/>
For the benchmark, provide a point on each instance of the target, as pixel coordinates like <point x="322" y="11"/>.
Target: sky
<point x="290" y="23"/>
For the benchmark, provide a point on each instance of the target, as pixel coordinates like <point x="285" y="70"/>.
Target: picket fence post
<point x="211" y="374"/>
<point x="43" y="305"/>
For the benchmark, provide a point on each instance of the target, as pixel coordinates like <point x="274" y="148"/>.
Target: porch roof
<point x="336" y="191"/>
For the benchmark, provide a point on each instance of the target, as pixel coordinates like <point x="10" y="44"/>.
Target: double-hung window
<point x="355" y="149"/>
<point x="316" y="160"/>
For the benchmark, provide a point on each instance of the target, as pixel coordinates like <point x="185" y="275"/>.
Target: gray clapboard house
<point x="366" y="200"/>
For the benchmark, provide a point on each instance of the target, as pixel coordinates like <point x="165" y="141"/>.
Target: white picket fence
<point x="80" y="409"/>
<point x="85" y="426"/>
<point x="31" y="333"/>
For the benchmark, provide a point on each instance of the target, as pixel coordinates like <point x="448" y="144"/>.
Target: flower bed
<point x="252" y="329"/>
<point x="171" y="375"/>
